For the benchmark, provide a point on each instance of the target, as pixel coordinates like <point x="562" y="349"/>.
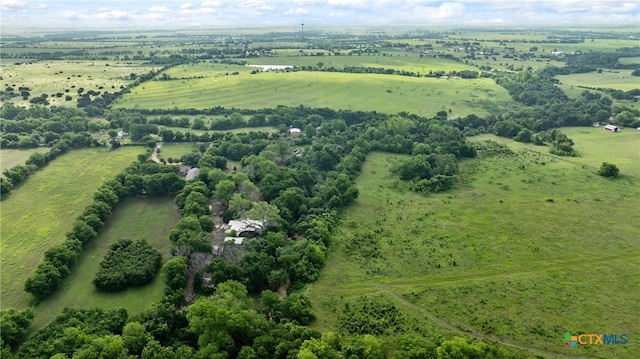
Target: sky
<point x="127" y="14"/>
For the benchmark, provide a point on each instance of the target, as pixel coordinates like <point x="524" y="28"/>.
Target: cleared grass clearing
<point x="37" y="214"/>
<point x="609" y="78"/>
<point x="517" y="254"/>
<point x="365" y="92"/>
<point x="12" y="157"/>
<point x="176" y="150"/>
<point x="136" y="218"/>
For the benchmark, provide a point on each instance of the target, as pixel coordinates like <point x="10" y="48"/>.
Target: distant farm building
<point x="611" y="128"/>
<point x="295" y="132"/>
<point x="192" y="174"/>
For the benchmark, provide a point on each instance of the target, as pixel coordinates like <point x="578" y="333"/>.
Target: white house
<point x="295" y="132"/>
<point x="245" y="228"/>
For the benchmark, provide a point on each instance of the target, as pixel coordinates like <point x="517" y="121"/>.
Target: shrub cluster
<point x="127" y="264"/>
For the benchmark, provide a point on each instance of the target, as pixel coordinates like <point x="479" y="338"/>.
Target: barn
<point x="611" y="128"/>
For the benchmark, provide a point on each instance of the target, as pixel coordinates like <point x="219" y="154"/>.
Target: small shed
<point x="611" y="128"/>
<point x="237" y="241"/>
<point x="192" y="174"/>
<point x="184" y="170"/>
<point x="295" y="132"/>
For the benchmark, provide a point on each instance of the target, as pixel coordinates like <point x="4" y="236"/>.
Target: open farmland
<point x="609" y="78"/>
<point x="67" y="77"/>
<point x="507" y="256"/>
<point x="38" y="213"/>
<point x="13" y="157"/>
<point x="135" y="218"/>
<point x="365" y="92"/>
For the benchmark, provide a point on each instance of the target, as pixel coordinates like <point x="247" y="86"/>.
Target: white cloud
<point x="19" y="5"/>
<point x="305" y="2"/>
<point x="212" y="4"/>
<point x="298" y="11"/>
<point x="349" y="3"/>
<point x="446" y="10"/>
<point x="159" y="9"/>
<point x="568" y="6"/>
<point x="256" y="5"/>
<point x="186" y="6"/>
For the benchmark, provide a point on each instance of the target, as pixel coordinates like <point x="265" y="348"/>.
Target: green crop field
<point x="528" y="247"/>
<point x="13" y="157"/>
<point x="609" y="78"/>
<point x="58" y="76"/>
<point x="366" y="92"/>
<point x="136" y="218"/>
<point x="37" y="214"/>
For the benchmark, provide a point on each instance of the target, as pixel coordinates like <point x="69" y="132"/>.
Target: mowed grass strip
<point x="37" y="214"/>
<point x="136" y="218"/>
<point x="13" y="156"/>
<point x="362" y="92"/>
<point x="529" y="246"/>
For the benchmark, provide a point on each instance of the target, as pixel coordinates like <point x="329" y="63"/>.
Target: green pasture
<point x="528" y="246"/>
<point x="37" y="214"/>
<point x="365" y="92"/>
<point x="267" y="129"/>
<point x="56" y="76"/>
<point x="136" y="218"/>
<point x="609" y="78"/>
<point x="12" y="157"/>
<point x="596" y="146"/>
<point x="176" y="150"/>
<point x="629" y="60"/>
<point x="408" y="61"/>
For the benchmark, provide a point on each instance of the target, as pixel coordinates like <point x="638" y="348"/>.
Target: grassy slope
<point x="37" y="214"/>
<point x="526" y="270"/>
<point x="13" y="157"/>
<point x="366" y="92"/>
<point x="149" y="218"/>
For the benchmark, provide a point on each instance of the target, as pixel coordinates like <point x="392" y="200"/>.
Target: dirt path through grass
<point x="479" y="336"/>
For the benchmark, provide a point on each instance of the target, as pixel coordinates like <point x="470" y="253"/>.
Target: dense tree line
<point x="127" y="264"/>
<point x="40" y="125"/>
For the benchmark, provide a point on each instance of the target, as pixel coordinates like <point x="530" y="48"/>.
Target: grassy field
<point x="609" y="78"/>
<point x="13" y="157"/>
<point x="176" y="150"/>
<point x="54" y="76"/>
<point x="365" y="92"/>
<point x="37" y="214"/>
<point x="136" y="218"/>
<point x="528" y="247"/>
<point x="596" y="146"/>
